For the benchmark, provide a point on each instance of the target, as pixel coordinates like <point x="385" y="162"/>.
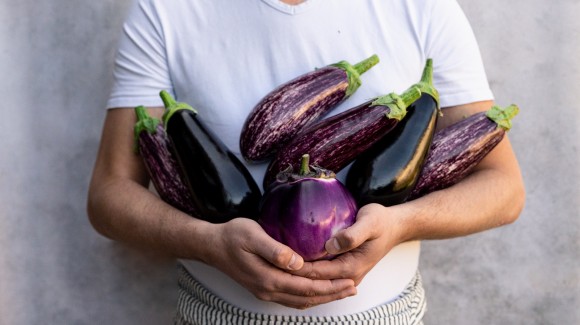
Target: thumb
<point x="349" y="238"/>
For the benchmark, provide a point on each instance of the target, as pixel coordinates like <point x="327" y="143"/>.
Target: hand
<point x="246" y="253"/>
<point x="361" y="246"/>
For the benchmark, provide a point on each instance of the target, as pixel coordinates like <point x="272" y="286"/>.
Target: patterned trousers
<point x="198" y="306"/>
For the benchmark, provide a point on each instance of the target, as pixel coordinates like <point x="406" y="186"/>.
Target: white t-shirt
<point x="223" y="56"/>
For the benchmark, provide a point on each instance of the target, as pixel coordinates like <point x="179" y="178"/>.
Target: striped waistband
<point x="198" y="306"/>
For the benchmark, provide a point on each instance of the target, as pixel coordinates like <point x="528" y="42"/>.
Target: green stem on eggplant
<point x="305" y="165"/>
<point x="353" y="72"/>
<point x="503" y="116"/>
<point x="172" y="106"/>
<point x="145" y="123"/>
<point x="398" y="104"/>
<point x="364" y="65"/>
<point x="426" y="83"/>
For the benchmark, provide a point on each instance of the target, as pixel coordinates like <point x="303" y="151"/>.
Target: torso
<point x="254" y="46"/>
<point x="242" y="82"/>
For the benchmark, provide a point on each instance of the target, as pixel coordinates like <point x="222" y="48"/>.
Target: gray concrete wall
<point x="55" y="64"/>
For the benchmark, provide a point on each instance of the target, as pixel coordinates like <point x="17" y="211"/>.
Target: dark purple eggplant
<point x="335" y="142"/>
<point x="388" y="171"/>
<point x="290" y="107"/>
<point x="154" y="147"/>
<point x="458" y="148"/>
<point x="303" y="210"/>
<point x="221" y="186"/>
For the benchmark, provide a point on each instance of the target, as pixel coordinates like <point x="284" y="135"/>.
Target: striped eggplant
<point x="220" y="185"/>
<point x="458" y="148"/>
<point x="388" y="171"/>
<point x="290" y="107"/>
<point x="154" y="147"/>
<point x="334" y="142"/>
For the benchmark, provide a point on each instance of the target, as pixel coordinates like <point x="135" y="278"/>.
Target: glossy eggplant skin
<point x="304" y="210"/>
<point x="154" y="147"/>
<point x="221" y="186"/>
<point x="458" y="148"/>
<point x="335" y="142"/>
<point x="388" y="171"/>
<point x="306" y="213"/>
<point x="290" y="107"/>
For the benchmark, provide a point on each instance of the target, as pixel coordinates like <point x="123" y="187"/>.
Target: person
<point x="222" y="57"/>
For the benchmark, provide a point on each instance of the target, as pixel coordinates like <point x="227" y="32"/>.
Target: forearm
<point x="121" y="207"/>
<point x="238" y="248"/>
<point x="493" y="195"/>
<point x="125" y="211"/>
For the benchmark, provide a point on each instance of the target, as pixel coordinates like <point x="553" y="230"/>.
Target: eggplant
<point x="303" y="210"/>
<point x="290" y="107"/>
<point x="458" y="148"/>
<point x="335" y="142"/>
<point x="388" y="171"/>
<point x="220" y="185"/>
<point x="154" y="147"/>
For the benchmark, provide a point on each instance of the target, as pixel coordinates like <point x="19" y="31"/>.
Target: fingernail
<point x="332" y="246"/>
<point x="336" y="244"/>
<point x="293" y="265"/>
<point x="353" y="292"/>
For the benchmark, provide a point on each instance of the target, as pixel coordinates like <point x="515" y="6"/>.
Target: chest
<point x="225" y="56"/>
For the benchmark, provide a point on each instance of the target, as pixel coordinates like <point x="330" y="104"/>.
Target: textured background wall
<point x="56" y="60"/>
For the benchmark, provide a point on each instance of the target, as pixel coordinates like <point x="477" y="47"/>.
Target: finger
<point x="305" y="287"/>
<point x="338" y="268"/>
<point x="277" y="253"/>
<point x="312" y="291"/>
<point x="307" y="301"/>
<point x="278" y="285"/>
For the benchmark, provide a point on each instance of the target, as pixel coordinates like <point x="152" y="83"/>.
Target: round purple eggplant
<point x="303" y="210"/>
<point x="290" y="107"/>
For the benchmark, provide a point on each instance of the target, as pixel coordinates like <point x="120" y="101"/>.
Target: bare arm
<point x="493" y="195"/>
<point x="119" y="204"/>
<point x="122" y="208"/>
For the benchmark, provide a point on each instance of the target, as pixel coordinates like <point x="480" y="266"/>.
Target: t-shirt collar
<point x="290" y="9"/>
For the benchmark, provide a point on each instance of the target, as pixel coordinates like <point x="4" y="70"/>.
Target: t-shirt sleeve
<point x="459" y="73"/>
<point x="141" y="69"/>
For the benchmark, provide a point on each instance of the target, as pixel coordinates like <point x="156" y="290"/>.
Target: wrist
<point x="400" y="222"/>
<point x="387" y="222"/>
<point x="193" y="239"/>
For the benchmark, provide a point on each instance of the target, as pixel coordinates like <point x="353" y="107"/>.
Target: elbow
<point x="515" y="204"/>
<point x="96" y="216"/>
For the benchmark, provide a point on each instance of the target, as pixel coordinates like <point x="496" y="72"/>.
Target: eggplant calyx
<point x="398" y="104"/>
<point x="172" y="106"/>
<point x="503" y="116"/>
<point x="145" y="123"/>
<point x="353" y="73"/>
<point x="426" y="83"/>
<point x="306" y="171"/>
